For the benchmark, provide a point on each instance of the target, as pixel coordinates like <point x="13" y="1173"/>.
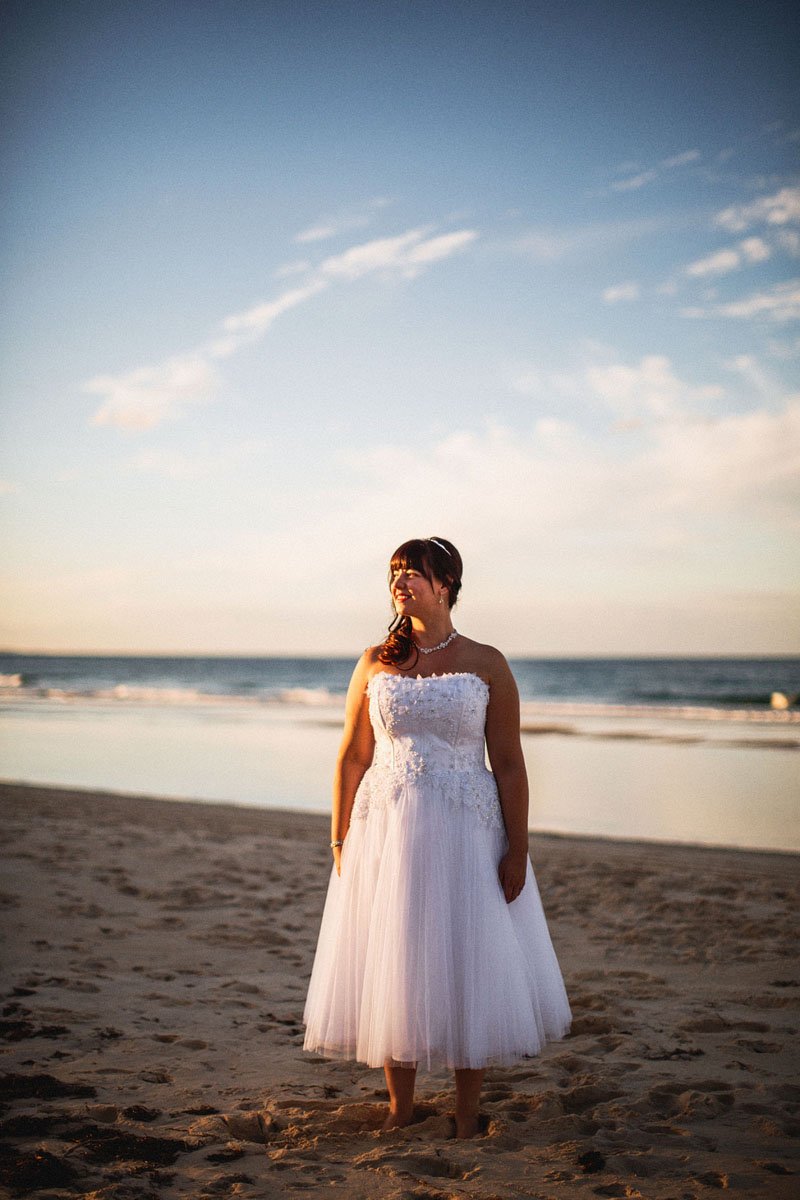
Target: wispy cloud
<point x="634" y="179"/>
<point x="253" y="323"/>
<point x="329" y="227"/>
<point x="782" y="208"/>
<point x="543" y="488"/>
<point x="633" y="182"/>
<point x="633" y="394"/>
<point x="780" y="303"/>
<point x="551" y="244"/>
<point x="649" y="388"/>
<point x="680" y="160"/>
<point x="143" y="398"/>
<point x="298" y="266"/>
<point x="730" y="258"/>
<point x="406" y="255"/>
<point x="621" y="291"/>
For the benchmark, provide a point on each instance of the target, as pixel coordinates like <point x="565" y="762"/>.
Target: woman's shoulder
<point x="369" y="662"/>
<point x="483" y="659"/>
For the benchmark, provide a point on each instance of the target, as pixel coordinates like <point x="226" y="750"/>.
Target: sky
<point x="286" y="284"/>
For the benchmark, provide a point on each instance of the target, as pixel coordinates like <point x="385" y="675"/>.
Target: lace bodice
<point x="429" y="730"/>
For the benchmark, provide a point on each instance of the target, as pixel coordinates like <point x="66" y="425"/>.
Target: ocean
<point x="688" y="749"/>
<point x="718" y="686"/>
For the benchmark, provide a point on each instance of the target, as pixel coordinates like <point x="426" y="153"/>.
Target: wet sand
<point x="157" y="956"/>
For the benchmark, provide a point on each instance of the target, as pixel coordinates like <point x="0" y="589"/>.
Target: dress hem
<point x="439" y="1062"/>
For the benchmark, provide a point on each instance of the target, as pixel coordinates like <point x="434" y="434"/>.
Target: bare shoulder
<point x="368" y="665"/>
<point x="362" y="672"/>
<point x="489" y="662"/>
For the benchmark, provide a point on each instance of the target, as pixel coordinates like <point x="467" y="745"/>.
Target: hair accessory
<point x="436" y="542"/>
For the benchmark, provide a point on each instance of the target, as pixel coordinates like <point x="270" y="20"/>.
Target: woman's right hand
<point x="337" y="858"/>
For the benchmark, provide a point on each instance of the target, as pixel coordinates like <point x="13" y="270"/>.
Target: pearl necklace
<point x="441" y="646"/>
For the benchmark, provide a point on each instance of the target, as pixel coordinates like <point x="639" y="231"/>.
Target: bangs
<point x="412" y="556"/>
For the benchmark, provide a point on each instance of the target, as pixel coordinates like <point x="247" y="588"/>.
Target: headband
<point x="436" y="542"/>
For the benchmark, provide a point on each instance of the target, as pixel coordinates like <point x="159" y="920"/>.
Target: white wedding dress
<point x="419" y="957"/>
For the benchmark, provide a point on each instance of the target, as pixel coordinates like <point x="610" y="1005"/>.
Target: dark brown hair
<point x="424" y="555"/>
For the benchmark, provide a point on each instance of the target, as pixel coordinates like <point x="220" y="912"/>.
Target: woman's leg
<point x="468" y="1090"/>
<point x="400" y="1082"/>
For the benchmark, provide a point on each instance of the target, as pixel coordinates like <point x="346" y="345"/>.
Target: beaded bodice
<point x="429" y="730"/>
<point x="428" y="722"/>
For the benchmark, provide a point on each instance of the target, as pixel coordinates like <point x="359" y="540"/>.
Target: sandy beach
<point x="156" y="960"/>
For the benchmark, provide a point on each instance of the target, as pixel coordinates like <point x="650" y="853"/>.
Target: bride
<point x="433" y="941"/>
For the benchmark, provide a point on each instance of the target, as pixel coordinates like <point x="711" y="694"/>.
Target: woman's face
<point x="412" y="591"/>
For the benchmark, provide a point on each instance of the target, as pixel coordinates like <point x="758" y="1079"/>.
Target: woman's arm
<point x="355" y="753"/>
<point x="504" y="746"/>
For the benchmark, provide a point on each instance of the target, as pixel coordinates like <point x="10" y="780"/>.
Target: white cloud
<point x="621" y="291"/>
<point x="254" y="322"/>
<point x="634" y="179"/>
<point x="780" y="303"/>
<point x="569" y="508"/>
<point x="406" y="255"/>
<point x="144" y="398"/>
<point x="317" y="233"/>
<point x="718" y="263"/>
<point x="634" y="394"/>
<point x="755" y="249"/>
<point x="783" y="208"/>
<point x="649" y="388"/>
<point x="730" y="258"/>
<point x="744" y="462"/>
<point x="634" y="182"/>
<point x="330" y="227"/>
<point x="680" y="160"/>
<point x="435" y="249"/>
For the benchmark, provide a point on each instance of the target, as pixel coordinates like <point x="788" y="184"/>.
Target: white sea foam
<point x="168" y="696"/>
<point x="538" y="716"/>
<point x="672" y="712"/>
<point x="306" y="696"/>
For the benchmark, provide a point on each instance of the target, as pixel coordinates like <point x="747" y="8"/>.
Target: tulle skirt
<point x="419" y="957"/>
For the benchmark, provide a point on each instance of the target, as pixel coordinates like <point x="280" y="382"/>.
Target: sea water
<point x="675" y="749"/>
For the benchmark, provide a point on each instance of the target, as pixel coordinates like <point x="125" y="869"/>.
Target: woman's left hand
<point x="512" y="871"/>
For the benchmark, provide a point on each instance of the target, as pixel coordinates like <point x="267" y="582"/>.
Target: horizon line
<point x="284" y="654"/>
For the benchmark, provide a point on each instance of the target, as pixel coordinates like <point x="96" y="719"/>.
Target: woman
<point x="433" y="941"/>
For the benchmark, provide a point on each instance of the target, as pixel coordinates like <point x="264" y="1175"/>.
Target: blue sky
<point x="285" y="284"/>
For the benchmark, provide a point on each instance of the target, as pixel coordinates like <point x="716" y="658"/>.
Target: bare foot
<point x="468" y="1126"/>
<point x="396" y="1120"/>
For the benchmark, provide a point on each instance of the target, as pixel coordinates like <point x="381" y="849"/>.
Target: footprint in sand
<point x="701" y="1098"/>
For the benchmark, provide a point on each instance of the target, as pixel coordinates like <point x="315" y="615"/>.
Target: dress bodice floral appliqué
<point x="429" y="734"/>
